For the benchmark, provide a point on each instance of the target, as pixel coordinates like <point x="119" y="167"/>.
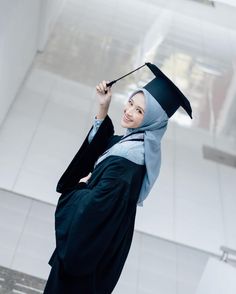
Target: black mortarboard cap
<point x="163" y="90"/>
<point x="166" y="93"/>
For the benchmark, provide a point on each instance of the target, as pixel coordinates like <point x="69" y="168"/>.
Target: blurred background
<point x="52" y="55"/>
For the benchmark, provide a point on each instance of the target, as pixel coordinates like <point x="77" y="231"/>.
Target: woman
<point x="108" y="177"/>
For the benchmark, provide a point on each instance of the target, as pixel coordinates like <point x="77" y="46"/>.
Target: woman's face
<point x="134" y="111"/>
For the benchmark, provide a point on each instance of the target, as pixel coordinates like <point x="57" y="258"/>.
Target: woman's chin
<point x="124" y="124"/>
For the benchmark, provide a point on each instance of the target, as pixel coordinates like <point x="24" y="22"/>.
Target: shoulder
<point x="134" y="152"/>
<point x="119" y="167"/>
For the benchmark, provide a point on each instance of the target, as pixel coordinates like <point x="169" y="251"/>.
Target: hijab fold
<point x="154" y="126"/>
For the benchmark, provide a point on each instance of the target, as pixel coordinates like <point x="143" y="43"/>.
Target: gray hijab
<point x="148" y="152"/>
<point x="154" y="126"/>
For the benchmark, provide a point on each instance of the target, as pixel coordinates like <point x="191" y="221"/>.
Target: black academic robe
<point x="94" y="222"/>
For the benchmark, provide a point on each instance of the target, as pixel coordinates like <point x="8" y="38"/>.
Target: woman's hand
<point x="104" y="95"/>
<point x="85" y="179"/>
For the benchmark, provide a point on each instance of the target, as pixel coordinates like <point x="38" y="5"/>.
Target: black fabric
<point x="163" y="90"/>
<point x="94" y="223"/>
<point x="166" y="93"/>
<point x="86" y="157"/>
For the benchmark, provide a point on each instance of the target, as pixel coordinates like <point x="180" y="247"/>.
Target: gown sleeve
<point x="83" y="162"/>
<point x="96" y="124"/>
<point x="98" y="215"/>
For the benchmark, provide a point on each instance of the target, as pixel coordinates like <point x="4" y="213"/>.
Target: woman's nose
<point x="129" y="111"/>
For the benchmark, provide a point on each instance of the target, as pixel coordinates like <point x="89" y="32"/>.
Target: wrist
<point x="104" y="106"/>
<point x="102" y="112"/>
<point x="101" y="115"/>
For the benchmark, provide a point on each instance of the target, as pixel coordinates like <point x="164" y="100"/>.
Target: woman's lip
<point x="127" y="119"/>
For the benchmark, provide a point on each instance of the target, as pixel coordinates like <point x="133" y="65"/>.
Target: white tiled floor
<point x="153" y="265"/>
<point x="27" y="234"/>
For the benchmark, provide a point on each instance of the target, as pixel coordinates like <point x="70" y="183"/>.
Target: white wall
<point x="18" y="39"/>
<point x="50" y="9"/>
<point x="24" y="28"/>
<point x="228" y="2"/>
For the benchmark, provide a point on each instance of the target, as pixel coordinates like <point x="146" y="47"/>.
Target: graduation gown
<point x="94" y="222"/>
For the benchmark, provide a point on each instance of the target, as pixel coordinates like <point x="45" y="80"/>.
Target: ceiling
<point x="193" y="43"/>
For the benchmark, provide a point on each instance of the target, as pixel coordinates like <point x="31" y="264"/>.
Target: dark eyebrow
<point x="137" y="106"/>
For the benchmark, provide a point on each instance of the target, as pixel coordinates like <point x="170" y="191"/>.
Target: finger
<point x="99" y="88"/>
<point x="99" y="84"/>
<point x="88" y="177"/>
<point x="99" y="92"/>
<point x="104" y="83"/>
<point x="102" y="86"/>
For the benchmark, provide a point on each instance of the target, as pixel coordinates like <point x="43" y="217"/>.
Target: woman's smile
<point x="134" y="111"/>
<point x="126" y="118"/>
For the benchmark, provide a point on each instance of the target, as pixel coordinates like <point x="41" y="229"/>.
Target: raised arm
<point x="104" y="99"/>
